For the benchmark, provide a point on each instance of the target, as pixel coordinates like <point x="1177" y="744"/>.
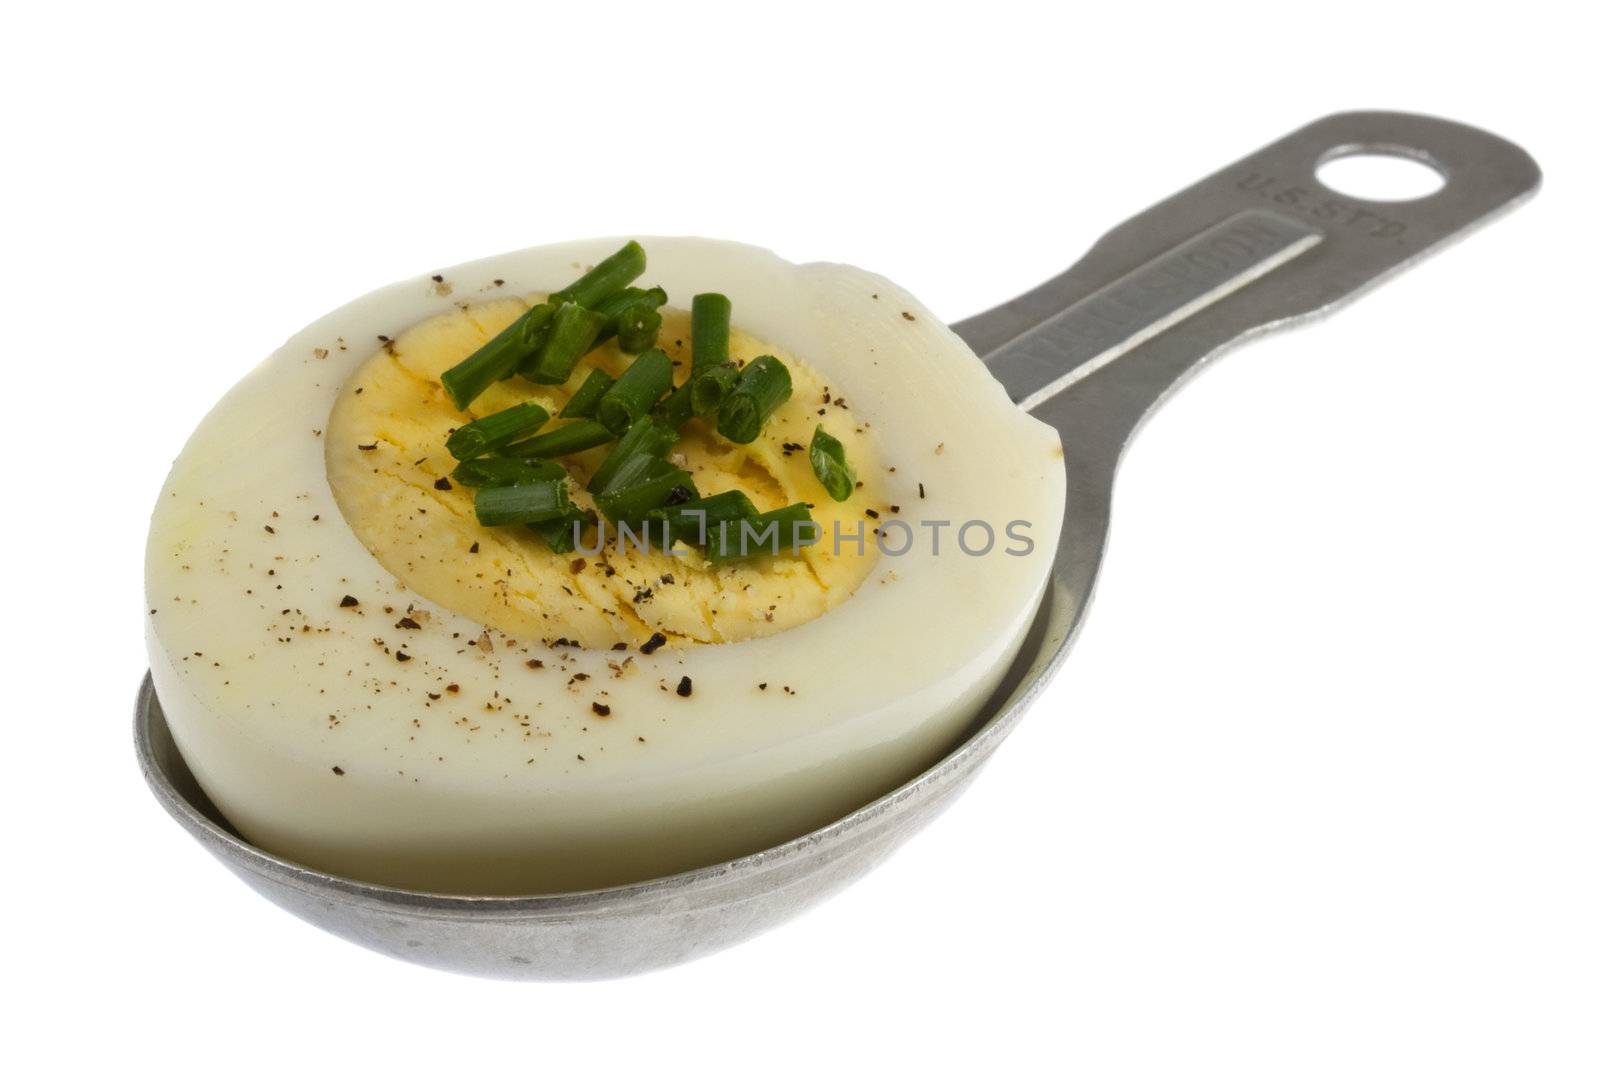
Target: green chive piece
<point x="492" y="431"/>
<point x="675" y="410"/>
<point x="638" y="328"/>
<point x="618" y="302"/>
<point x="769" y="534"/>
<point x="661" y="486"/>
<point x="646" y="438"/>
<point x="561" y="533"/>
<point x="502" y="470"/>
<point x="694" y="520"/>
<point x="709" y="318"/>
<point x="467" y="380"/>
<point x="613" y="307"/>
<point x="712" y="387"/>
<point x="830" y="466"/>
<point x="561" y="441"/>
<point x="636" y="391"/>
<point x="564" y="440"/>
<point x="762" y="387"/>
<point x="582" y="404"/>
<point x="609" y="276"/>
<point x="502" y="505"/>
<point x="572" y="333"/>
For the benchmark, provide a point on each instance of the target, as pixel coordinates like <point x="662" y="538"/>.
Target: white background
<point x="1318" y="784"/>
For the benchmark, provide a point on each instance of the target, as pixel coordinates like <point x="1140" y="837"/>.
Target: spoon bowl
<point x="1261" y="243"/>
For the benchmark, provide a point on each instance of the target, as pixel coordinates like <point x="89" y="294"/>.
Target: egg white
<point x="269" y="685"/>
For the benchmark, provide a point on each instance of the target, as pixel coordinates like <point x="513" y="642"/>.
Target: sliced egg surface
<point x="366" y="682"/>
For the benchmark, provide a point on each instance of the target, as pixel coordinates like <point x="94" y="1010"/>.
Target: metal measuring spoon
<point x="1092" y="351"/>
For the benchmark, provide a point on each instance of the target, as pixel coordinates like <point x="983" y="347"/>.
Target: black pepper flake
<point x="438" y="277"/>
<point x="348" y="601"/>
<point x="401" y="656"/>
<point x="762" y="686"/>
<point x="657" y="639"/>
<point x="894" y="508"/>
<point x="367" y="448"/>
<point x="600" y="709"/>
<point x="667" y="579"/>
<point x="577" y="566"/>
<point x="871" y="514"/>
<point x="442" y="483"/>
<point x="408" y="623"/>
<point x="922" y="494"/>
<point x="452" y="688"/>
<point x="685" y="686"/>
<point x="908" y="316"/>
<point x="474" y="547"/>
<point x="269" y="529"/>
<point x="678" y="495"/>
<point x="620" y="646"/>
<point x="383" y="339"/>
<point x="535" y="664"/>
<point x="339" y="771"/>
<point x="499" y="282"/>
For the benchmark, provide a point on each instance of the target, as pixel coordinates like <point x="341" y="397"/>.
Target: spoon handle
<point x="1258" y="244"/>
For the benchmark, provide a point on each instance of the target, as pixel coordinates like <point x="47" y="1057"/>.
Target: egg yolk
<point x="390" y="472"/>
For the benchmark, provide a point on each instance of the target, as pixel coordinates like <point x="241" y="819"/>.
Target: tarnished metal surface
<point x="1259" y="244"/>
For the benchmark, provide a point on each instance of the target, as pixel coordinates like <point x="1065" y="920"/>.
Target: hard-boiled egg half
<point x="372" y="675"/>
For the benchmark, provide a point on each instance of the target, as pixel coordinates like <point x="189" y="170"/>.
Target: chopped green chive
<point x="572" y="333"/>
<point x="693" y="520"/>
<point x="711" y="388"/>
<point x="561" y="533"/>
<point x="829" y="465"/>
<point x="582" y="404"/>
<point x="502" y="505"/>
<point x="783" y="530"/>
<point x="636" y="391"/>
<point x="709" y="318"/>
<point x="467" y="380"/>
<point x="511" y="466"/>
<point x="613" y="307"/>
<point x="617" y="302"/>
<point x="561" y="441"/>
<point x="661" y="484"/>
<point x="492" y="431"/>
<point x="637" y="328"/>
<point x="646" y="439"/>
<point x="608" y="277"/>
<point x="502" y="470"/>
<point x="762" y="387"/>
<point x="675" y="410"/>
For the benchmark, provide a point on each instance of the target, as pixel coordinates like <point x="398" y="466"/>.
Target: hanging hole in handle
<point x="1381" y="172"/>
